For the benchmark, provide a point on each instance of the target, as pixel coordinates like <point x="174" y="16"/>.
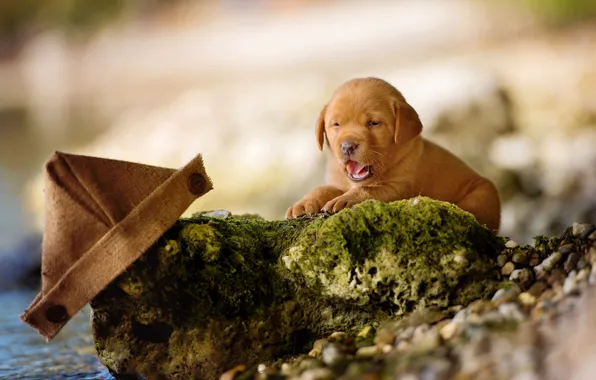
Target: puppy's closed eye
<point x="373" y="123"/>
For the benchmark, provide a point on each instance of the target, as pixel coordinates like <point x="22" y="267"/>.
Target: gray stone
<point x="571" y="262"/>
<point x="511" y="310"/>
<point x="567" y="248"/>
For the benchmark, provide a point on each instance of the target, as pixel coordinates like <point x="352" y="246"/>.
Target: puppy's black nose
<point x="348" y="148"/>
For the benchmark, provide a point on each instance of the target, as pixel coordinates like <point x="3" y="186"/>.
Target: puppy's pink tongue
<point x="355" y="168"/>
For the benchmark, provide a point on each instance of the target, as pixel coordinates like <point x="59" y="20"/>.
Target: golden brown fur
<point x="380" y="133"/>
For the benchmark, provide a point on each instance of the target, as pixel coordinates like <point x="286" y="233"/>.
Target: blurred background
<point x="509" y="86"/>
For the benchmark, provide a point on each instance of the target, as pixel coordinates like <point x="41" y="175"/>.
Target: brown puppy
<point x="376" y="152"/>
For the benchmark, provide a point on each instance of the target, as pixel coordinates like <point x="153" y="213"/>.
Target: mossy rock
<point x="217" y="292"/>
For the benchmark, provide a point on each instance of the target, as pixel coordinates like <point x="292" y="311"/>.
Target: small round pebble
<point x="450" y="330"/>
<point x="366" y="352"/>
<point x="507" y="268"/>
<point x="317" y="374"/>
<point x="527" y="299"/>
<point x="511" y="244"/>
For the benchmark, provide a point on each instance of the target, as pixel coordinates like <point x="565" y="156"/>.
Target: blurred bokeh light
<point x="510" y="86"/>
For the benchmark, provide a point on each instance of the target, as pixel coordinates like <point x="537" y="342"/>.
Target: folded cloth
<point x="100" y="216"/>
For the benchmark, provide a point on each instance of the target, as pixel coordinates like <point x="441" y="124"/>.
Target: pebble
<point x="420" y="332"/>
<point x="387" y="348"/>
<point x="332" y="354"/>
<point x="407" y="333"/>
<point x="450" y="330"/>
<point x="523" y="277"/>
<point x="501" y="260"/>
<point x="571" y="262"/>
<point x="534" y="259"/>
<point x="520" y="258"/>
<point x="537" y="288"/>
<point x="461" y="316"/>
<point x="587" y="234"/>
<point x="507" y="268"/>
<point x="367" y="352"/>
<point x="579" y="228"/>
<point x="592" y="278"/>
<point x="429" y="341"/>
<point x="583" y="275"/>
<point x="511" y="244"/>
<point x="317" y="347"/>
<point x="567" y="248"/>
<point x="527" y="299"/>
<point x="548" y="264"/>
<point x="506" y="294"/>
<point x="511" y="310"/>
<point x="317" y="374"/>
<point x="570" y="286"/>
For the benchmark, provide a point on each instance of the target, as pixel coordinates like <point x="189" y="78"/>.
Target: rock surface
<point x="542" y="332"/>
<point x="222" y="291"/>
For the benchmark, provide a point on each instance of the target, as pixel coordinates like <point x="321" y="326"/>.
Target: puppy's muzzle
<point x="348" y="148"/>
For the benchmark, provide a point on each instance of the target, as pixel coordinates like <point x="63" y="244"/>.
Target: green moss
<point x="217" y="292"/>
<point x="398" y="256"/>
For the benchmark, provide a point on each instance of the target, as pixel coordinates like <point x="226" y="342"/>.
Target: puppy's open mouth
<point x="357" y="171"/>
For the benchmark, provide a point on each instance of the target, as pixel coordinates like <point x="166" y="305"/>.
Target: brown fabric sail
<point x="100" y="216"/>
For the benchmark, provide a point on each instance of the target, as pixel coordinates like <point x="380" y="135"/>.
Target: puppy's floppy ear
<point x="320" y="131"/>
<point x="407" y="123"/>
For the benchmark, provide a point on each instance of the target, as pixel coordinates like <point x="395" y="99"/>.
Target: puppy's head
<point x="366" y="123"/>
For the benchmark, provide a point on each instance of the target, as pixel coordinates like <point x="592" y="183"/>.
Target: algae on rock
<point x="217" y="292"/>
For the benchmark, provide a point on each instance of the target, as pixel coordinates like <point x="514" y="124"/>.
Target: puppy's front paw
<point x="341" y="202"/>
<point x="304" y="207"/>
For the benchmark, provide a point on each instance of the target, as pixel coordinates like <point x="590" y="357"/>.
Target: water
<point x="24" y="354"/>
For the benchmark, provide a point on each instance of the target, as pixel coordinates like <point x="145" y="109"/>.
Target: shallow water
<point x="24" y="354"/>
